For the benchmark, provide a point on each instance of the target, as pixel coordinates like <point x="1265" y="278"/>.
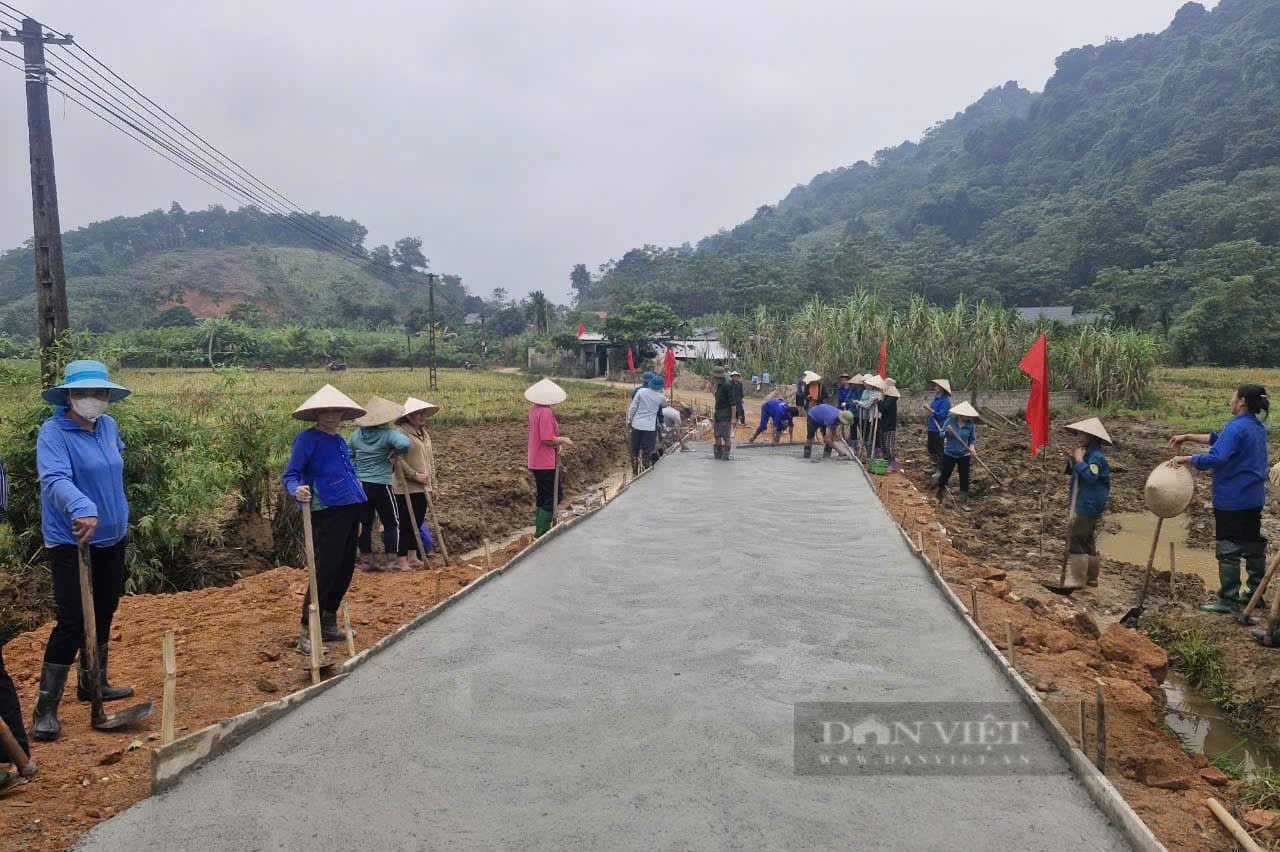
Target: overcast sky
<point x="518" y="138"/>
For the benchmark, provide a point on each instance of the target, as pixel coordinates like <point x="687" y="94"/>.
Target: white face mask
<point x="88" y="407"/>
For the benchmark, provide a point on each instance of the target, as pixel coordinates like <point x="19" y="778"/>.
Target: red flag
<point x="1036" y="365"/>
<point x="669" y="367"/>
<point x="631" y="362"/>
<point x="582" y="329"/>
<point x="883" y="370"/>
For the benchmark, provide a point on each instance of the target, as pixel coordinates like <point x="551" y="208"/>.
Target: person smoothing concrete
<point x="621" y="689"/>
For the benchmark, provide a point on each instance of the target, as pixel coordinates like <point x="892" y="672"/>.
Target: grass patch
<point x="1262" y="790"/>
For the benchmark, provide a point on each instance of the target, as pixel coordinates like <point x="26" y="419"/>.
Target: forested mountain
<point x="1143" y="181"/>
<point x="171" y="267"/>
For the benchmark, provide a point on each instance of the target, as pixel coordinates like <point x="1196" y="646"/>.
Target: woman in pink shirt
<point x="545" y="442"/>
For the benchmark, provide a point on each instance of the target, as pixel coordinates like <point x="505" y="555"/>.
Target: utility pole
<point x="431" y="336"/>
<point x="51" y="279"/>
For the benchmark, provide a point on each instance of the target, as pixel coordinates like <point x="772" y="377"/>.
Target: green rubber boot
<point x="1228" y="553"/>
<point x="543" y="523"/>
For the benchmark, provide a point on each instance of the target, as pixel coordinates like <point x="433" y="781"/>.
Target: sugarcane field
<point x="640" y="426"/>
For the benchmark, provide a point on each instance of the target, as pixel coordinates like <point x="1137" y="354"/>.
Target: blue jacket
<point x="322" y="462"/>
<point x="825" y="415"/>
<point x="775" y="410"/>
<point x="941" y="406"/>
<point x="1094" y="476"/>
<point x="847" y="394"/>
<point x="953" y="447"/>
<point x="81" y="476"/>
<point x="1238" y="459"/>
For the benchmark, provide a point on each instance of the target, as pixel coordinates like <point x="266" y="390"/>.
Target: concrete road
<point x="631" y="686"/>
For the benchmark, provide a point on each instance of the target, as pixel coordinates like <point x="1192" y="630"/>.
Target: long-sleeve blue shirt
<point x="81" y="476"/>
<point x="825" y="415"/>
<point x="1238" y="459"/>
<point x="1094" y="476"/>
<point x="322" y="462"/>
<point x="773" y="410"/>
<point x="941" y="407"/>
<point x="846" y="394"/>
<point x="955" y="447"/>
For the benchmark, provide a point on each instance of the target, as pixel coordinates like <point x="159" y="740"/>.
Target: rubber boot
<point x="44" y="721"/>
<point x="1095" y="569"/>
<point x="717" y="450"/>
<point x="109" y="692"/>
<point x="1228" y="553"/>
<point x="752" y="439"/>
<point x="543" y="523"/>
<point x="329" y="629"/>
<point x="826" y="452"/>
<point x="964" y="501"/>
<point x="1077" y="571"/>
<point x="1255" y="567"/>
<point x="808" y="452"/>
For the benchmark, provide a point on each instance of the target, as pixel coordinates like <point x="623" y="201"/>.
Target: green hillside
<point x="1143" y="181"/>
<point x="131" y="272"/>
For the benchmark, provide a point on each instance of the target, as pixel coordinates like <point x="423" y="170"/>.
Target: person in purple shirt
<point x="321" y="477"/>
<point x="825" y="418"/>
<point x="1238" y="458"/>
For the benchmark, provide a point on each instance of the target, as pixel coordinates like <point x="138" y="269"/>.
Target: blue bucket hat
<point x="657" y="383"/>
<point x="84" y="375"/>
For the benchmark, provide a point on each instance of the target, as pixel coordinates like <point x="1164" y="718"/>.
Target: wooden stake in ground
<point x="1083" y="733"/>
<point x="169" y="703"/>
<point x="1008" y="640"/>
<point x="1044" y="487"/>
<point x="1235" y="829"/>
<point x="1101" y="762"/>
<point x="313" y="607"/>
<point x="1173" y="570"/>
<point x="973" y="603"/>
<point x="488" y="557"/>
<point x="346" y="626"/>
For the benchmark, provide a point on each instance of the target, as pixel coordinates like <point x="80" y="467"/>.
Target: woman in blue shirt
<point x="1238" y="458"/>
<point x="939" y="407"/>
<point x="1090" y="472"/>
<point x="320" y="476"/>
<point x="82" y="501"/>
<point x="958" y="436"/>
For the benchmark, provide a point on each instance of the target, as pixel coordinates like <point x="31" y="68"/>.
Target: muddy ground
<point x="999" y="539"/>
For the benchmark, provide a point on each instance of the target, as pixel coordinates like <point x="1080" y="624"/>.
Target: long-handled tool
<point x="1061" y="588"/>
<point x="313" y="597"/>
<point x="555" y="490"/>
<point x="1130" y="618"/>
<point x="435" y="525"/>
<point x="22" y="762"/>
<point x="1246" y="617"/>
<point x="1273" y="621"/>
<point x="413" y="518"/>
<point x="99" y="719"/>
<point x="974" y="453"/>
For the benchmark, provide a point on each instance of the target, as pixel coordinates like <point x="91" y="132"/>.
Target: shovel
<point x="1130" y="618"/>
<point x="439" y="530"/>
<point x="1246" y="616"/>
<point x="99" y="719"/>
<point x="1273" y="621"/>
<point x="1061" y="588"/>
<point x="974" y="453"/>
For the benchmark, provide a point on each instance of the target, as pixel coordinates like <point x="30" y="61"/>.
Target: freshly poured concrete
<point x="630" y="686"/>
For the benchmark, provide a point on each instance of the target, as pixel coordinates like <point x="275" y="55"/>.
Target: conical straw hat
<point x="874" y="381"/>
<point x="546" y="392"/>
<point x="1169" y="490"/>
<point x="328" y="397"/>
<point x="810" y="376"/>
<point x="380" y="412"/>
<point x="964" y="409"/>
<point x="891" y="388"/>
<point x="413" y="405"/>
<point x="1093" y="426"/>
<point x="942" y="383"/>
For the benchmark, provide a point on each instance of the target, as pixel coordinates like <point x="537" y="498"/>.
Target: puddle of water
<point x="1132" y="543"/>
<point x="1202" y="728"/>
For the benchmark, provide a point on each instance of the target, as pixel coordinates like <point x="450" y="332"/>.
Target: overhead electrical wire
<point x="161" y="130"/>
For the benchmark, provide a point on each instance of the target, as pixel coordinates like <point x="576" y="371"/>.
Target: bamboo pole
<point x="1008" y="639"/>
<point x="1083" y="732"/>
<point x="346" y="627"/>
<point x="169" y="704"/>
<point x="1173" y="569"/>
<point x="1235" y="829"/>
<point x="1101" y="725"/>
<point x="488" y="556"/>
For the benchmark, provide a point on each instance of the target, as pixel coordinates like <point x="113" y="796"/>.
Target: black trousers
<point x="544" y="483"/>
<point x="107" y="570"/>
<point x="643" y="446"/>
<point x="950" y="463"/>
<point x="333" y="533"/>
<point x="407" y="539"/>
<point x="380" y="501"/>
<point x="934" y="446"/>
<point x="10" y="711"/>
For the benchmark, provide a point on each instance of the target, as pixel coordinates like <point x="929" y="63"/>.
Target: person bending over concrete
<point x="777" y="412"/>
<point x="825" y="418"/>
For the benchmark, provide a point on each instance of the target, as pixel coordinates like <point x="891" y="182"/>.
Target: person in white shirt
<point x="642" y="418"/>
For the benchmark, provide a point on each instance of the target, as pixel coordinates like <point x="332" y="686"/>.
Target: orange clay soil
<point x="235" y="652"/>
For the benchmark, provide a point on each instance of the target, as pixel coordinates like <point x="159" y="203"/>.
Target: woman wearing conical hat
<point x="321" y="477"/>
<point x="419" y="479"/>
<point x="545" y="442"/>
<point x="373" y="444"/>
<point x="958" y="435"/>
<point x="1091" y="473"/>
<point x="939" y="408"/>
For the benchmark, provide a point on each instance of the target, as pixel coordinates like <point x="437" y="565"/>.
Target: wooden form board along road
<point x="633" y="685"/>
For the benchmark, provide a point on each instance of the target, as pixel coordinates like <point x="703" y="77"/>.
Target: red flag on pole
<point x="582" y="329"/>
<point x="631" y="362"/>
<point x="669" y="367"/>
<point x="1036" y="365"/>
<point x="883" y="370"/>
